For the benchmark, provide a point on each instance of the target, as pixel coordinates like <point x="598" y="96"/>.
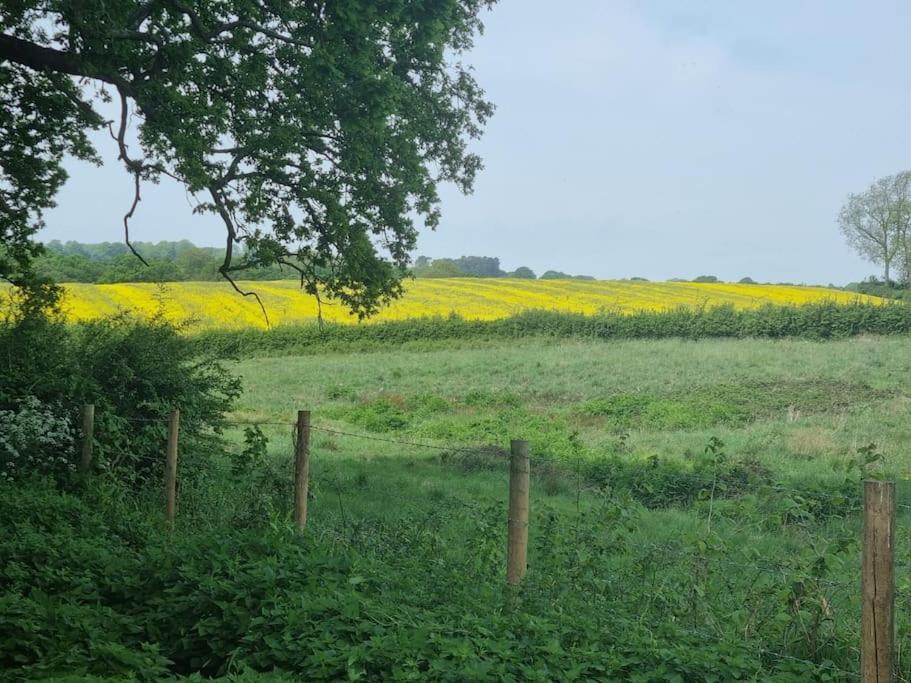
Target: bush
<point x="523" y="272"/>
<point x="134" y="372"/>
<point x="35" y="437"/>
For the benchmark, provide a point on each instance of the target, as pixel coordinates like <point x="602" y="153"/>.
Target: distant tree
<point x="584" y="277"/>
<point x="555" y="275"/>
<point x="480" y="266"/>
<point x="705" y="278"/>
<point x="441" y="267"/>
<point x="746" y="281"/>
<point x="523" y="273"/>
<point x="316" y="132"/>
<point x="639" y="279"/>
<point x="877" y="223"/>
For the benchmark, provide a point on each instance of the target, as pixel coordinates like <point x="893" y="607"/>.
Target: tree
<point x="441" y="267"/>
<point x="480" y="266"/>
<point x="877" y="222"/>
<point x="316" y="131"/>
<point x="523" y="273"/>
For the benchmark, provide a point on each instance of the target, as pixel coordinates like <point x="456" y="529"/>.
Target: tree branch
<point x="225" y="268"/>
<point x="42" y="58"/>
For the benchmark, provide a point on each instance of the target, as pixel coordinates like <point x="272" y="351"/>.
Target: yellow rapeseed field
<point x="215" y="304"/>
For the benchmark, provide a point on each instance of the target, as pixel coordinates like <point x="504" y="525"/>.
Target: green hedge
<point x="810" y="321"/>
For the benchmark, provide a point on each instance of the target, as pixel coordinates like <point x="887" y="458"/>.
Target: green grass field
<point x="695" y="516"/>
<point x="623" y="515"/>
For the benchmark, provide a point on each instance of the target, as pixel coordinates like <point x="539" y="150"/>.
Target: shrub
<point x="134" y="372"/>
<point x="35" y="437"/>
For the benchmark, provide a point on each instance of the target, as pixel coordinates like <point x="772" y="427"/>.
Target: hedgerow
<point x="810" y="321"/>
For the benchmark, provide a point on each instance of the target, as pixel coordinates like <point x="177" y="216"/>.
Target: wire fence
<point x="709" y="479"/>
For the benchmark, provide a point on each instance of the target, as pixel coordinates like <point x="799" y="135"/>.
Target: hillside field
<point x="216" y="305"/>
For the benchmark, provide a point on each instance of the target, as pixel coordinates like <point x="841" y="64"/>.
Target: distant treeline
<point x="809" y="321"/>
<point x="481" y="266"/>
<point x="876" y="287"/>
<point x="109" y="262"/>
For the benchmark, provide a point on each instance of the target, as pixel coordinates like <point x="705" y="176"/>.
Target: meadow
<point x="215" y="305"/>
<point x="708" y="491"/>
<point x="695" y="515"/>
<point x="641" y="429"/>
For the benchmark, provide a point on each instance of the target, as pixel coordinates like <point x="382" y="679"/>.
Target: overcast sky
<point x="654" y="139"/>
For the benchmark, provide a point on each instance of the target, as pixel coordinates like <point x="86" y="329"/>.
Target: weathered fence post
<point x="170" y="469"/>
<point x="877" y="583"/>
<point x="301" y="468"/>
<point x="517" y="541"/>
<point x="88" y="436"/>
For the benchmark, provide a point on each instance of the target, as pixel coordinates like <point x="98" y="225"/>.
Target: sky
<point x="654" y="139"/>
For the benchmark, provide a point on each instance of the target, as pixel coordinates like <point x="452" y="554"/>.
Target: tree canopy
<point x="317" y="131"/>
<point x="877" y="223"/>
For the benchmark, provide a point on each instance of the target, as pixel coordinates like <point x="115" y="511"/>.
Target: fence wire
<point x="715" y="481"/>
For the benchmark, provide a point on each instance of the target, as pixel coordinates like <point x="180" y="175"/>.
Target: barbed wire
<point x="494" y="452"/>
<point x="679" y="550"/>
<point x="476" y="450"/>
<point x="828" y="667"/>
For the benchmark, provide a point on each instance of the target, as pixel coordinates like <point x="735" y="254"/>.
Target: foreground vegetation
<point x="695" y="514"/>
<point x="215" y="305"/>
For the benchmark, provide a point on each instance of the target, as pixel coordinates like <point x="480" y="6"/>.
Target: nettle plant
<point x="35" y="437"/>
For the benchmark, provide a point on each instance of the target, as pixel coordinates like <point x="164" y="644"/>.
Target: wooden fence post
<point x="88" y="436"/>
<point x="877" y="583"/>
<point x="517" y="541"/>
<point x="170" y="469"/>
<point x="301" y="468"/>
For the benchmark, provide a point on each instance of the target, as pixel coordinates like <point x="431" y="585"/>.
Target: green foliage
<point x="253" y="455"/>
<point x="441" y="267"/>
<point x="312" y="130"/>
<point x="727" y="405"/>
<point x="109" y="262"/>
<point x="557" y="275"/>
<point x="809" y="321"/>
<point x="479" y="266"/>
<point x="705" y="278"/>
<point x="873" y="287"/>
<point x="134" y="372"/>
<point x="136" y="600"/>
<point x="41" y="122"/>
<point x="35" y="438"/>
<point x="523" y="273"/>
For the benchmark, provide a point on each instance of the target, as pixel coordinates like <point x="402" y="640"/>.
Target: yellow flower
<point x="216" y="304"/>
